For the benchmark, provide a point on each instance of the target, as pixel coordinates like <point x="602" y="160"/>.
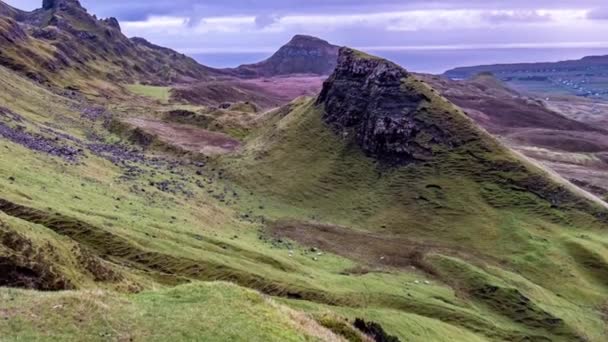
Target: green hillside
<point x="109" y="234"/>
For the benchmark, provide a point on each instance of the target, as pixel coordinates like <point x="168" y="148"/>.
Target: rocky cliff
<point x="385" y="108"/>
<point x="302" y="55"/>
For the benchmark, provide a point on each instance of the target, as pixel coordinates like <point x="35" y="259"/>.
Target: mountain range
<point x="324" y="194"/>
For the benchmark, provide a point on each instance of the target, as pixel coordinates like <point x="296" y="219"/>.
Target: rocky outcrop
<point x="112" y="22"/>
<point x="383" y="106"/>
<point x="48" y="4"/>
<point x="302" y="55"/>
<point x="62" y="4"/>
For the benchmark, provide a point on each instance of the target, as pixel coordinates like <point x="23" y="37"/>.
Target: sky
<point x="260" y="26"/>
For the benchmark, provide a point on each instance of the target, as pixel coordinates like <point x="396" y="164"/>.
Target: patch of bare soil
<point x="288" y="88"/>
<point x="590" y="111"/>
<point x="265" y="93"/>
<point x="187" y="137"/>
<point x="568" y="141"/>
<point x="366" y="247"/>
<point x="23" y="265"/>
<point x="500" y="109"/>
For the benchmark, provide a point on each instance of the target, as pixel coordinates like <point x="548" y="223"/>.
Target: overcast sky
<point x="262" y="25"/>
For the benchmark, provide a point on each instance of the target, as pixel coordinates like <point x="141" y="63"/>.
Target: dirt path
<point x="188" y="137"/>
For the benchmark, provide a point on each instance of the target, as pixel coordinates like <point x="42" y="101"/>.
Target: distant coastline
<point x="434" y="61"/>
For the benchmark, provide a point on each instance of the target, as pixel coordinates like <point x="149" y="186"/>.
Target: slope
<point x="200" y="311"/>
<point x="61" y="44"/>
<point x="475" y="246"/>
<point x="571" y="145"/>
<point x="383" y="170"/>
<point x="83" y="209"/>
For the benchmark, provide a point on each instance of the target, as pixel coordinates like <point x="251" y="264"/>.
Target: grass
<point x="487" y="214"/>
<point x="198" y="311"/>
<point x="477" y="225"/>
<point x="162" y="94"/>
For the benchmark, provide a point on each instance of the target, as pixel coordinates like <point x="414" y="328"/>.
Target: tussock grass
<point x="496" y="213"/>
<point x="162" y="94"/>
<point x="209" y="312"/>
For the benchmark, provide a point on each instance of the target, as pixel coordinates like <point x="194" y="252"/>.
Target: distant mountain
<point x="586" y="63"/>
<point x="586" y="77"/>
<point x="62" y="44"/>
<point x="302" y="55"/>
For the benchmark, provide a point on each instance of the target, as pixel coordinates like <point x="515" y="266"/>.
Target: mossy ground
<point x="198" y="311"/>
<point x="295" y="169"/>
<point x="162" y="94"/>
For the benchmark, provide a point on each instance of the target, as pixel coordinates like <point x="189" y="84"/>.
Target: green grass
<point x="484" y="211"/>
<point x="162" y="94"/>
<point x="489" y="232"/>
<point x="208" y="312"/>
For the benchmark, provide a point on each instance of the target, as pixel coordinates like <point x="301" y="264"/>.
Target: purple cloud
<point x="598" y="14"/>
<point x="526" y="16"/>
<point x="263" y="21"/>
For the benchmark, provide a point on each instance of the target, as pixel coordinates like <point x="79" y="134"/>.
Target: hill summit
<point x="302" y="55"/>
<point x="376" y="127"/>
<point x="384" y="106"/>
<point x="50" y="4"/>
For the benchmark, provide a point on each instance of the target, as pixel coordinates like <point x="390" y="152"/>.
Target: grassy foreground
<point x="137" y="247"/>
<point x="199" y="311"/>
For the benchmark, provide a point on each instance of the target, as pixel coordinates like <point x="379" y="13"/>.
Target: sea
<point x="433" y="61"/>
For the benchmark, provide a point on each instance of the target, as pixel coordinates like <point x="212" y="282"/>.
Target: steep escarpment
<point x="387" y="109"/>
<point x="302" y="55"/>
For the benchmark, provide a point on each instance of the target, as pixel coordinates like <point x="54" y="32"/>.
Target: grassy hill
<point x="62" y="45"/>
<point x="111" y="235"/>
<point x="473" y="215"/>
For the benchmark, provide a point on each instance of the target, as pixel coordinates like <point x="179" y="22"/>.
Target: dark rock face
<point x="50" y="4"/>
<point x="112" y="22"/>
<point x="374" y="331"/>
<point x="368" y="97"/>
<point x="302" y="55"/>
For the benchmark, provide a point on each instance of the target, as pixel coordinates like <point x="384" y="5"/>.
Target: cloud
<point x="598" y="14"/>
<point x="323" y="24"/>
<point x="199" y="8"/>
<point x="263" y="21"/>
<point x="264" y="25"/>
<point x="518" y="16"/>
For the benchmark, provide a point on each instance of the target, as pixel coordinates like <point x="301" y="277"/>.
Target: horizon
<point x="386" y="28"/>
